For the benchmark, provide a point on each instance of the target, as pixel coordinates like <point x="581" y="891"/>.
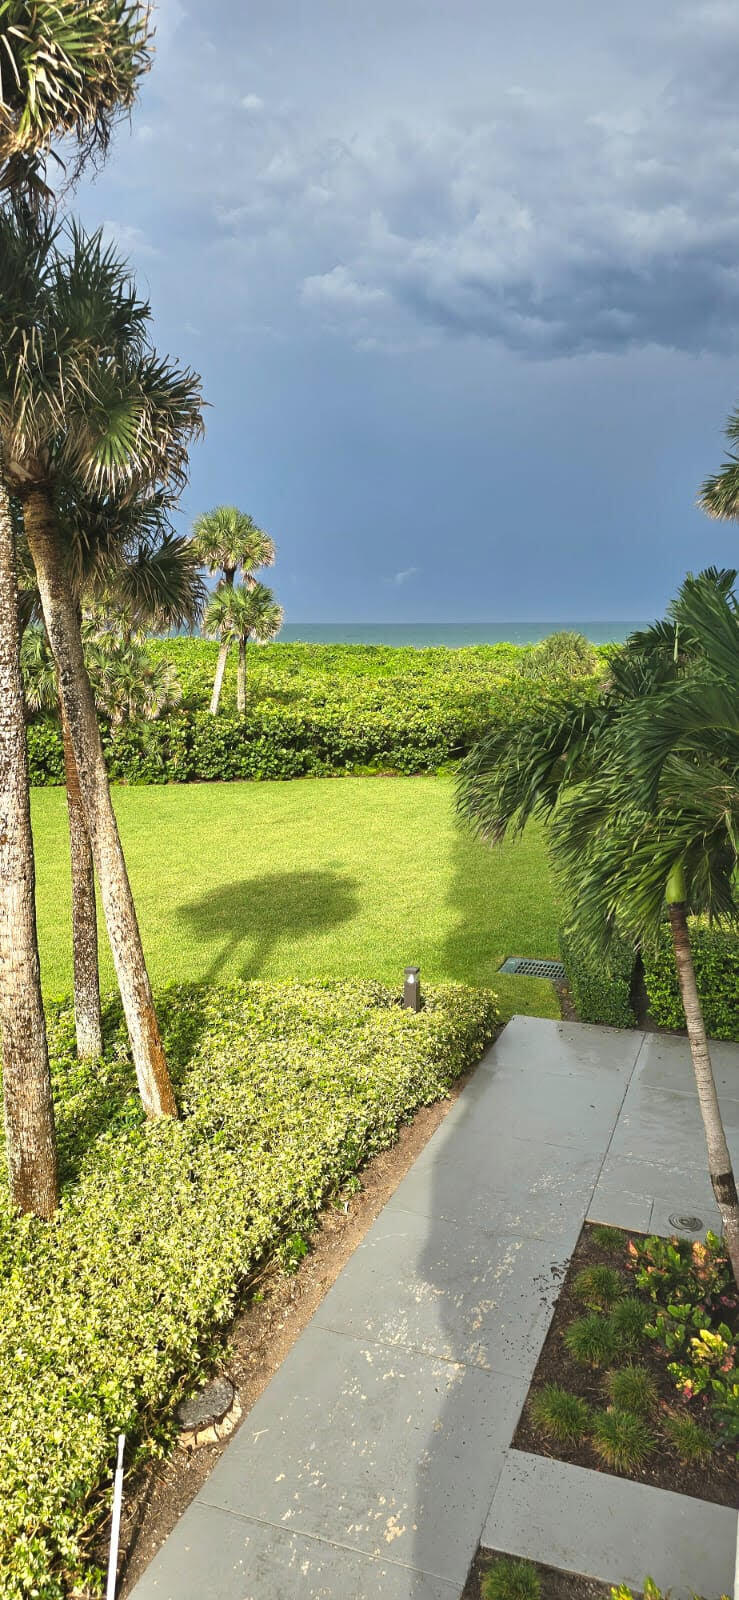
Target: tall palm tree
<point x="66" y="71"/>
<point x="85" y="398"/>
<point x="129" y="572"/>
<point x="237" y="615"/>
<point x="228" y="540"/>
<point x="639" y="787"/>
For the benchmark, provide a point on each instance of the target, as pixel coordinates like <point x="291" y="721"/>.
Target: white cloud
<point x="402" y="577"/>
<point x="339" y="288"/>
<point x="252" y="102"/>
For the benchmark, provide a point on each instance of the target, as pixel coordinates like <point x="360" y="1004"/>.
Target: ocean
<point x="451" y="634"/>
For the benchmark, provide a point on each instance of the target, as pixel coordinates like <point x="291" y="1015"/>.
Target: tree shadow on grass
<point x="244" y="922"/>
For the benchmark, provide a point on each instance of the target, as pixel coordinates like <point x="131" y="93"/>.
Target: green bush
<point x="313" y="711"/>
<point x="511" y="1579"/>
<point x="109" y="1313"/>
<point x="561" y="655"/>
<point x="716" y="960"/>
<point x="601" y="991"/>
<point x="286" y="741"/>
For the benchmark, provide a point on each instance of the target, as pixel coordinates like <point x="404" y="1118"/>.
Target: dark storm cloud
<point x="569" y="200"/>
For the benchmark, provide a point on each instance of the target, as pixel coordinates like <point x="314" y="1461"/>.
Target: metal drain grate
<point x="524" y="968"/>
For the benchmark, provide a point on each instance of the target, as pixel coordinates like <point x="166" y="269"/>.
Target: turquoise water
<point x="451" y="634"/>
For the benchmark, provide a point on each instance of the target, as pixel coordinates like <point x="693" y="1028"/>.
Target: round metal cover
<point x="689" y="1224"/>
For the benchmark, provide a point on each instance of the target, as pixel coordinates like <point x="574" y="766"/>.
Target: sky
<point x="461" y="278"/>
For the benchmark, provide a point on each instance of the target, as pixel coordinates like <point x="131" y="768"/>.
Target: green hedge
<point x="284" y="741"/>
<point x="111" y="1312"/>
<point x="600" y="990"/>
<point x="716" y="960"/>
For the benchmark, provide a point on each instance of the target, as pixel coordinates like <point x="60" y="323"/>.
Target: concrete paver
<point x="368" y="1466"/>
<point x="610" y="1529"/>
<point x="384" y="1451"/>
<point x="212" y="1555"/>
<point x="453" y="1292"/>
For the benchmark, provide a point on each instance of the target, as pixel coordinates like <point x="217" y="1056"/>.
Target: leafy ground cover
<point x="501" y="1577"/>
<point x="638" y="1374"/>
<point x="109" y="1313"/>
<point x="355" y="879"/>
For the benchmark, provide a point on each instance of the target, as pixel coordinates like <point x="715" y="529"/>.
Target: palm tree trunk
<point x="241" y="680"/>
<point x="29" y="1111"/>
<point x="218" y="684"/>
<point x="62" y="626"/>
<point x="719" y="1160"/>
<point x="87" y="1014"/>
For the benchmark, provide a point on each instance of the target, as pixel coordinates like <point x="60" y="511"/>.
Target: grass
<point x="349" y="878"/>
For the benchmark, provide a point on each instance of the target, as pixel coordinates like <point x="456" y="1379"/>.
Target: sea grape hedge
<point x="112" y="1311"/>
<point x="288" y="741"/>
<point x="716" y="961"/>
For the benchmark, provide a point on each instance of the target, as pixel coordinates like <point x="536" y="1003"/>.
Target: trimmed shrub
<point x="112" y="1311"/>
<point x="601" y="991"/>
<point x="716" y="961"/>
<point x="278" y="741"/>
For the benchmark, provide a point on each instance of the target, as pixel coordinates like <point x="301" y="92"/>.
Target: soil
<point x="555" y="1584"/>
<point x="258" y="1341"/>
<point x="714" y="1480"/>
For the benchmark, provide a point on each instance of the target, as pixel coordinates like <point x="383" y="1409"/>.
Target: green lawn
<point x="349" y="877"/>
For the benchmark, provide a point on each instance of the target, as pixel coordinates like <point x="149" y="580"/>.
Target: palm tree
<point x="228" y="540"/>
<point x="639" y="785"/>
<point x="719" y="494"/>
<point x="239" y="614"/>
<point x="66" y="72"/>
<point x="130" y="572"/>
<point x="85" y="399"/>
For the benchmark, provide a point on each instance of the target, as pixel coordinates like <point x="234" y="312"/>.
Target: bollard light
<point x="412" y="989"/>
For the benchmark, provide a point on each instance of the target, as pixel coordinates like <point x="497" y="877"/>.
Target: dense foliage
<point x="313" y="710"/>
<point x="108" y="1315"/>
<point x="600" y="990"/>
<point x="716" y="961"/>
<point x="288" y="740"/>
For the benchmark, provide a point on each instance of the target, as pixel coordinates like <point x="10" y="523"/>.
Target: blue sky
<point x="462" y="281"/>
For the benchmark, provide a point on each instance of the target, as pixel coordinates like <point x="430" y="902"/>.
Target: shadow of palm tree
<point x="256" y="914"/>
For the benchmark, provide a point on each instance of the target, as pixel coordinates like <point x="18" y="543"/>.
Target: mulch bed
<point x="555" y="1584"/>
<point x="714" y="1480"/>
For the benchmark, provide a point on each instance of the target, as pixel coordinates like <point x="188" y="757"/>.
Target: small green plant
<point x="291" y="1252"/>
<point x="628" y="1320"/>
<point x="632" y="1388"/>
<point x="591" y="1340"/>
<point x="599" y="1288"/>
<point x="692" y="1442"/>
<point x="621" y="1439"/>
<point x="511" y="1579"/>
<point x="559" y="1414"/>
<point x="610" y="1239"/>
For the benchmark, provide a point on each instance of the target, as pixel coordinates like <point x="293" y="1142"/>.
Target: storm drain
<point x="524" y="968"/>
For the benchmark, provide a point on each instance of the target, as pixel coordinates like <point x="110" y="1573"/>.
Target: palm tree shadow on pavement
<point x="255" y="915"/>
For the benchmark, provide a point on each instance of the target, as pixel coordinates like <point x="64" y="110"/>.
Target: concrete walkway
<point x="367" y="1469"/>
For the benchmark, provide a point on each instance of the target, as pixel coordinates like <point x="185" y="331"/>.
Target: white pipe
<point x="115" y="1521"/>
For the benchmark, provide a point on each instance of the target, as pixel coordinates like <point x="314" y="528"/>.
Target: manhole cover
<point x="689" y="1224"/>
<point x="524" y="968"/>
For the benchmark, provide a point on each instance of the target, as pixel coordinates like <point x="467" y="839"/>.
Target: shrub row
<point x="600" y="990"/>
<point x="716" y="960"/>
<point x="283" y="741"/>
<point x="111" y="1312"/>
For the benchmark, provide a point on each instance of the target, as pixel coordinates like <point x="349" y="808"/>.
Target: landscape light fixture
<point x="412" y="989"/>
